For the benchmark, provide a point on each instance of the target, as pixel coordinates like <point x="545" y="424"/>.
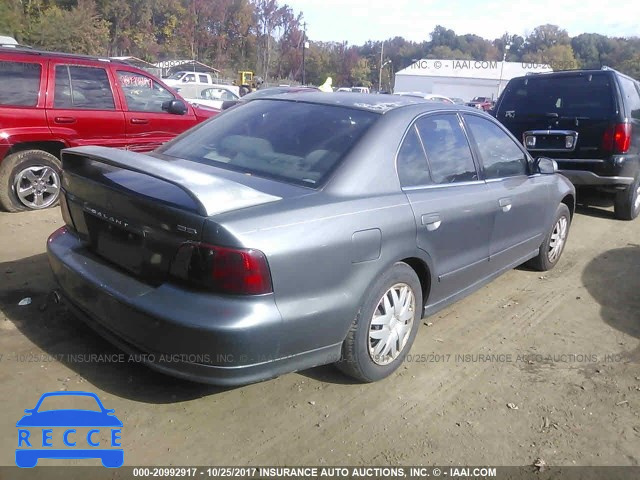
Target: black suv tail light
<point x="617" y="138"/>
<point x="227" y="270"/>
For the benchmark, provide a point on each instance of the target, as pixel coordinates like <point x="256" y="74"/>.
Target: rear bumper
<point x="585" y="177"/>
<point x="192" y="335"/>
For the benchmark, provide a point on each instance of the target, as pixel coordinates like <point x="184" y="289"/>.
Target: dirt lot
<point x="563" y="383"/>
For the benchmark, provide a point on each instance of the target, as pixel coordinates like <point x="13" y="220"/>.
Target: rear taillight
<point x="58" y="233"/>
<point x="235" y="271"/>
<point x="617" y="138"/>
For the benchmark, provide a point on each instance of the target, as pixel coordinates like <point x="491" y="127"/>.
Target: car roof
<point x="380" y="103"/>
<point x="22" y="50"/>
<point x="567" y="73"/>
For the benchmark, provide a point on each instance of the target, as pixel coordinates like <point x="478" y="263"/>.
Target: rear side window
<point x="203" y="78"/>
<point x="577" y="95"/>
<point x="412" y="165"/>
<point x="294" y="142"/>
<point x="631" y="93"/>
<point x="447" y="149"/>
<point x="19" y="83"/>
<point x="82" y="88"/>
<point x="500" y="155"/>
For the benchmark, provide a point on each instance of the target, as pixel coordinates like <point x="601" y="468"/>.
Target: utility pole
<point x="304" y="47"/>
<point x="504" y="58"/>
<point x="381" y="61"/>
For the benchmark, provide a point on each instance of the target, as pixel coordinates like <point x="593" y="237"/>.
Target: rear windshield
<point x="292" y="141"/>
<point x="583" y="95"/>
<point x="19" y="83"/>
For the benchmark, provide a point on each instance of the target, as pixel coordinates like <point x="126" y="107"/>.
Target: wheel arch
<point x="50" y="146"/>
<point x="570" y="201"/>
<point x="424" y="275"/>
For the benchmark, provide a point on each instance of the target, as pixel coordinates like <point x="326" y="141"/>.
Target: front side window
<point x="413" y="169"/>
<point x="20" y="83"/>
<point x="85" y="88"/>
<point x="144" y="94"/>
<point x="447" y="149"/>
<point x="294" y="142"/>
<point x="500" y="155"/>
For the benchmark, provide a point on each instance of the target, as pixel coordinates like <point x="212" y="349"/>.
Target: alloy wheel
<point x="37" y="186"/>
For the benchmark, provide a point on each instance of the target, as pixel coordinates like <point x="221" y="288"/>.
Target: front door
<point x="148" y="124"/>
<point x="521" y="203"/>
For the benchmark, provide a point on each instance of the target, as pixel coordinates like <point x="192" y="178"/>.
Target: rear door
<point x="148" y="124"/>
<point x="520" y="200"/>
<point x="453" y="208"/>
<point x="81" y="106"/>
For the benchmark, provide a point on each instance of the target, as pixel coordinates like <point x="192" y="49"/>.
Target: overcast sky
<point x="357" y="21"/>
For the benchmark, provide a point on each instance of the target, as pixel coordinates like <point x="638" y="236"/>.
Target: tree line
<point x="267" y="37"/>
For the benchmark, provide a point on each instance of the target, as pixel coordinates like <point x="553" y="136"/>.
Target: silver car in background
<point x="300" y="230"/>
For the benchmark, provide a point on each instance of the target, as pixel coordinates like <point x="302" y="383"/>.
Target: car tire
<point x="30" y="168"/>
<point x="555" y="241"/>
<point x="367" y="357"/>
<point x="244" y="90"/>
<point x="627" y="205"/>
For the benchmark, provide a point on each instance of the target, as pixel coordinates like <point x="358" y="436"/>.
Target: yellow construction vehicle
<point x="247" y="82"/>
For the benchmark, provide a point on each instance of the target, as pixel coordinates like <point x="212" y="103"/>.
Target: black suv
<point x="588" y="121"/>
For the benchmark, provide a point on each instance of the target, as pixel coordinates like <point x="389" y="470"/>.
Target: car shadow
<point x="328" y="374"/>
<point x="56" y="331"/>
<point x="613" y="280"/>
<point x="593" y="204"/>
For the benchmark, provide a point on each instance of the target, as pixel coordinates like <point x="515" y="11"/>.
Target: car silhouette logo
<point x="36" y="431"/>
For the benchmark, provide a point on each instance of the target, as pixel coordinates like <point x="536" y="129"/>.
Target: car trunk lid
<point x="135" y="211"/>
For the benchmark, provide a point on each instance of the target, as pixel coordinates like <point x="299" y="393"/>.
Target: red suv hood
<point x="204" y="112"/>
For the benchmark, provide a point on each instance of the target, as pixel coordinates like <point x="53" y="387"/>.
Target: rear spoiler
<point x="212" y="194"/>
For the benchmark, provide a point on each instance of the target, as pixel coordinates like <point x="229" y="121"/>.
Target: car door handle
<point x="139" y="121"/>
<point x="505" y="204"/>
<point x="64" y="120"/>
<point x="431" y="221"/>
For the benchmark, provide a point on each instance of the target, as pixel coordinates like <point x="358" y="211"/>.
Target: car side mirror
<point x="546" y="166"/>
<point x="228" y="104"/>
<point x="177" y="107"/>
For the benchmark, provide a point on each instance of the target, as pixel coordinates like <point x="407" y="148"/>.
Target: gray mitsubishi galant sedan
<point x="300" y="230"/>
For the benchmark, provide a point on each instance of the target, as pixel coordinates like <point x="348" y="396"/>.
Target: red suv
<point x="50" y="101"/>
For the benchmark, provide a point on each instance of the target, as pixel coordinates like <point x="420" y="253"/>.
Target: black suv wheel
<point x="627" y="205"/>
